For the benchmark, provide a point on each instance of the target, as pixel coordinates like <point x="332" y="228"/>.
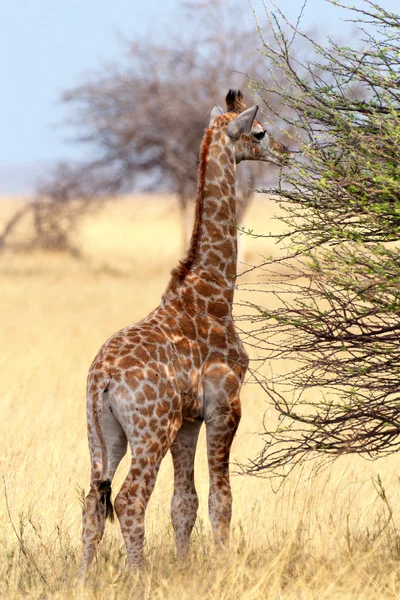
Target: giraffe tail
<point x="95" y="402"/>
<point x="105" y="498"/>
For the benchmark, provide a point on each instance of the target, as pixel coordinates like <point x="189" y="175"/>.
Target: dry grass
<point x="327" y="535"/>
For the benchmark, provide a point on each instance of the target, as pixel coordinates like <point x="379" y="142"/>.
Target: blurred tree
<point x="338" y="313"/>
<point x="143" y="119"/>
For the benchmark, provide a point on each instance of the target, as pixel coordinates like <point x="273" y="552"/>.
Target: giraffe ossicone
<point x="153" y="384"/>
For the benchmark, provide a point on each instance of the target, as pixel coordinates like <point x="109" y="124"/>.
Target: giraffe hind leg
<point x="97" y="505"/>
<point x="185" y="502"/>
<point x="131" y="501"/>
<point x="149" y="443"/>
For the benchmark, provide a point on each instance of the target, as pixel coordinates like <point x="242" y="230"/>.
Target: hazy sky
<point x="46" y="46"/>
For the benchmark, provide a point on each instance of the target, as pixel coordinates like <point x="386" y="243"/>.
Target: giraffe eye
<point x="259" y="136"/>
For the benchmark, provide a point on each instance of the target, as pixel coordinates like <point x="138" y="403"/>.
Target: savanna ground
<point x="328" y="534"/>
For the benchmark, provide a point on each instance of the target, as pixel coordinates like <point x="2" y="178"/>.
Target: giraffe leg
<point x="97" y="502"/>
<point x="149" y="446"/>
<point x="131" y="503"/>
<point x="184" y="500"/>
<point x="220" y="433"/>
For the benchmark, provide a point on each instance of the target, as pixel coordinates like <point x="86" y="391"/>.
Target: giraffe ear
<point x="216" y="112"/>
<point x="242" y="124"/>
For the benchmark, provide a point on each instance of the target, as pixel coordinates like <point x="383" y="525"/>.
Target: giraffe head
<point x="249" y="137"/>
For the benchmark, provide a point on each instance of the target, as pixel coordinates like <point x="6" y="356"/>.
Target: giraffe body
<point x="153" y="384"/>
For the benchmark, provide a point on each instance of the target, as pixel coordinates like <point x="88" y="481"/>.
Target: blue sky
<point x="46" y="46"/>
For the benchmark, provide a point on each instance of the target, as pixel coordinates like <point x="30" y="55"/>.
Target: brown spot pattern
<point x="153" y="384"/>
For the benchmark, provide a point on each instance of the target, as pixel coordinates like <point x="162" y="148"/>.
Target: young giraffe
<point x="154" y="383"/>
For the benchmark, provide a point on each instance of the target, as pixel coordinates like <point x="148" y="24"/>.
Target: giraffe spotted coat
<point x="154" y="383"/>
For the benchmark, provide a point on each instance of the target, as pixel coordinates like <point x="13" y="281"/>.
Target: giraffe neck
<point x="212" y="255"/>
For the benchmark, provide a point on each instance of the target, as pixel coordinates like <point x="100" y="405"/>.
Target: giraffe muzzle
<point x="275" y="152"/>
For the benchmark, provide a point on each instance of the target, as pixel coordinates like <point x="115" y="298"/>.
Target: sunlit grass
<point x="325" y="534"/>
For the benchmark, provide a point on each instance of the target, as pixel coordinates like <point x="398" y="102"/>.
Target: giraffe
<point x="234" y="104"/>
<point x="154" y="383"/>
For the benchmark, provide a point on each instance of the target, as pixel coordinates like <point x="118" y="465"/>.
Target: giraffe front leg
<point x="221" y="429"/>
<point x="185" y="502"/>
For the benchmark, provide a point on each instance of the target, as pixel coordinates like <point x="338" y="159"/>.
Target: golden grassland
<point x="325" y="534"/>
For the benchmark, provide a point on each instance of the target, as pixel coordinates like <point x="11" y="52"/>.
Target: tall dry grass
<point x="324" y="534"/>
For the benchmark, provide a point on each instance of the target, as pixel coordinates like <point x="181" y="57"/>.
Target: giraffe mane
<point x="182" y="270"/>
